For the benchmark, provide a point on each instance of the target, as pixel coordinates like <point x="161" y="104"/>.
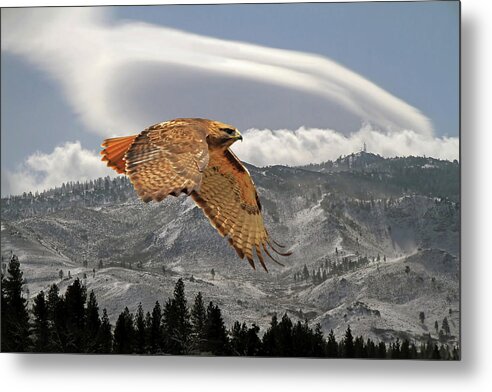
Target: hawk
<point x="192" y="156"/>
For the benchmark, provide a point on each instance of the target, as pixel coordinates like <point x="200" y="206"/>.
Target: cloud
<point x="302" y="146"/>
<point x="67" y="162"/>
<point x="122" y="76"/>
<point x="71" y="162"/>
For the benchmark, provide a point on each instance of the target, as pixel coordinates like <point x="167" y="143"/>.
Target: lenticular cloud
<point x="86" y="51"/>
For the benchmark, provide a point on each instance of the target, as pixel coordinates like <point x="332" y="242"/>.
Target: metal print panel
<point x="239" y="180"/>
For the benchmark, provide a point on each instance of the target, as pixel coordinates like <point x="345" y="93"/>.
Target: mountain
<point x="375" y="242"/>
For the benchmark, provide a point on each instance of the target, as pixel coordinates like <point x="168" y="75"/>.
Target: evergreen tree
<point x="269" y="342"/>
<point x="155" y="329"/>
<point x="395" y="350"/>
<point x="435" y="352"/>
<point x="105" y="337"/>
<point x="75" y="298"/>
<point x="4" y="310"/>
<point x="422" y="317"/>
<point x="305" y="272"/>
<point x="140" y="346"/>
<point x="381" y="350"/>
<point x="124" y="333"/>
<point x="15" y="319"/>
<point x="239" y="338"/>
<point x="331" y="346"/>
<point x="300" y="343"/>
<point x="405" y="350"/>
<point x="445" y="326"/>
<point x="40" y="324"/>
<point x="253" y="342"/>
<point x="56" y="319"/>
<point x="177" y="325"/>
<point x="216" y="340"/>
<point x="148" y="327"/>
<point x="284" y="337"/>
<point x="348" y="344"/>
<point x="371" y="351"/>
<point x="93" y="323"/>
<point x="359" y="349"/>
<point x="318" y="342"/>
<point x="198" y="320"/>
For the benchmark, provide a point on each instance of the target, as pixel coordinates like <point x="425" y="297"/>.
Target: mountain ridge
<point x="354" y="230"/>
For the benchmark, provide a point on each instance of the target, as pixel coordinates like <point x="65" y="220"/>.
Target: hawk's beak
<point x="238" y="136"/>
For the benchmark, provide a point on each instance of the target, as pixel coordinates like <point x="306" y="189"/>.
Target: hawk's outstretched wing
<point x="166" y="158"/>
<point x="228" y="198"/>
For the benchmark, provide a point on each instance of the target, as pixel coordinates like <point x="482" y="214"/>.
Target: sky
<point x="303" y="82"/>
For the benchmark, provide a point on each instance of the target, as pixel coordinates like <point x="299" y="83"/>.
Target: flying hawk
<point x="192" y="156"/>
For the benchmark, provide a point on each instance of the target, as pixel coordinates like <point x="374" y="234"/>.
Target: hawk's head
<point x="221" y="134"/>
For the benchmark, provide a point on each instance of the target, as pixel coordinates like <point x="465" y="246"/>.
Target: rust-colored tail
<point x="115" y="150"/>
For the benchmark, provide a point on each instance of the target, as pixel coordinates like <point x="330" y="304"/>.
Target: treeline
<point x="104" y="190"/>
<point x="71" y="323"/>
<point x="424" y="175"/>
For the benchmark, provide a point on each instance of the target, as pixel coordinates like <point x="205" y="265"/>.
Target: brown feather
<point x="115" y="150"/>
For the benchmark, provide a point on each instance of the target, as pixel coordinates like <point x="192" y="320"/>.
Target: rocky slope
<point x="381" y="248"/>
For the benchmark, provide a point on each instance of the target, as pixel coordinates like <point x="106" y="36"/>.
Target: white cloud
<point x="87" y="52"/>
<point x="67" y="162"/>
<point x="71" y="162"/>
<point x="107" y="71"/>
<point x="303" y="146"/>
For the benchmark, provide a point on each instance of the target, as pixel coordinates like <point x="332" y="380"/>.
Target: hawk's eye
<point x="228" y="130"/>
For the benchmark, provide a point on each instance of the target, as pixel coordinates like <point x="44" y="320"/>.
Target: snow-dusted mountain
<point x="380" y="236"/>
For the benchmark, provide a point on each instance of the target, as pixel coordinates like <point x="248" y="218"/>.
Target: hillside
<point x="378" y="238"/>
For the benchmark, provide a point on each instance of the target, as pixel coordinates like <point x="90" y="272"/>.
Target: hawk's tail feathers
<point x="115" y="150"/>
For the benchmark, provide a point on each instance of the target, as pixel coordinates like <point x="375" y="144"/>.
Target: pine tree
<point x="269" y="342"/>
<point x="359" y="349"/>
<point x="216" y="340"/>
<point x="371" y="351"/>
<point x="140" y="346"/>
<point x="435" y="352"/>
<point x="4" y="311"/>
<point x="155" y="329"/>
<point x="381" y="350"/>
<point x="318" y="345"/>
<point x="148" y="327"/>
<point x="445" y="326"/>
<point x="75" y="298"/>
<point x="124" y="333"/>
<point x="395" y="350"/>
<point x="56" y="319"/>
<point x="104" y="337"/>
<point x="405" y="350"/>
<point x="15" y="320"/>
<point x="422" y="317"/>
<point x="301" y="338"/>
<point x="305" y="272"/>
<point x="177" y="325"/>
<point x="239" y="339"/>
<point x="93" y="323"/>
<point x="348" y="344"/>
<point x="253" y="342"/>
<point x="284" y="337"/>
<point x="331" y="346"/>
<point x="198" y="320"/>
<point x="40" y="324"/>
